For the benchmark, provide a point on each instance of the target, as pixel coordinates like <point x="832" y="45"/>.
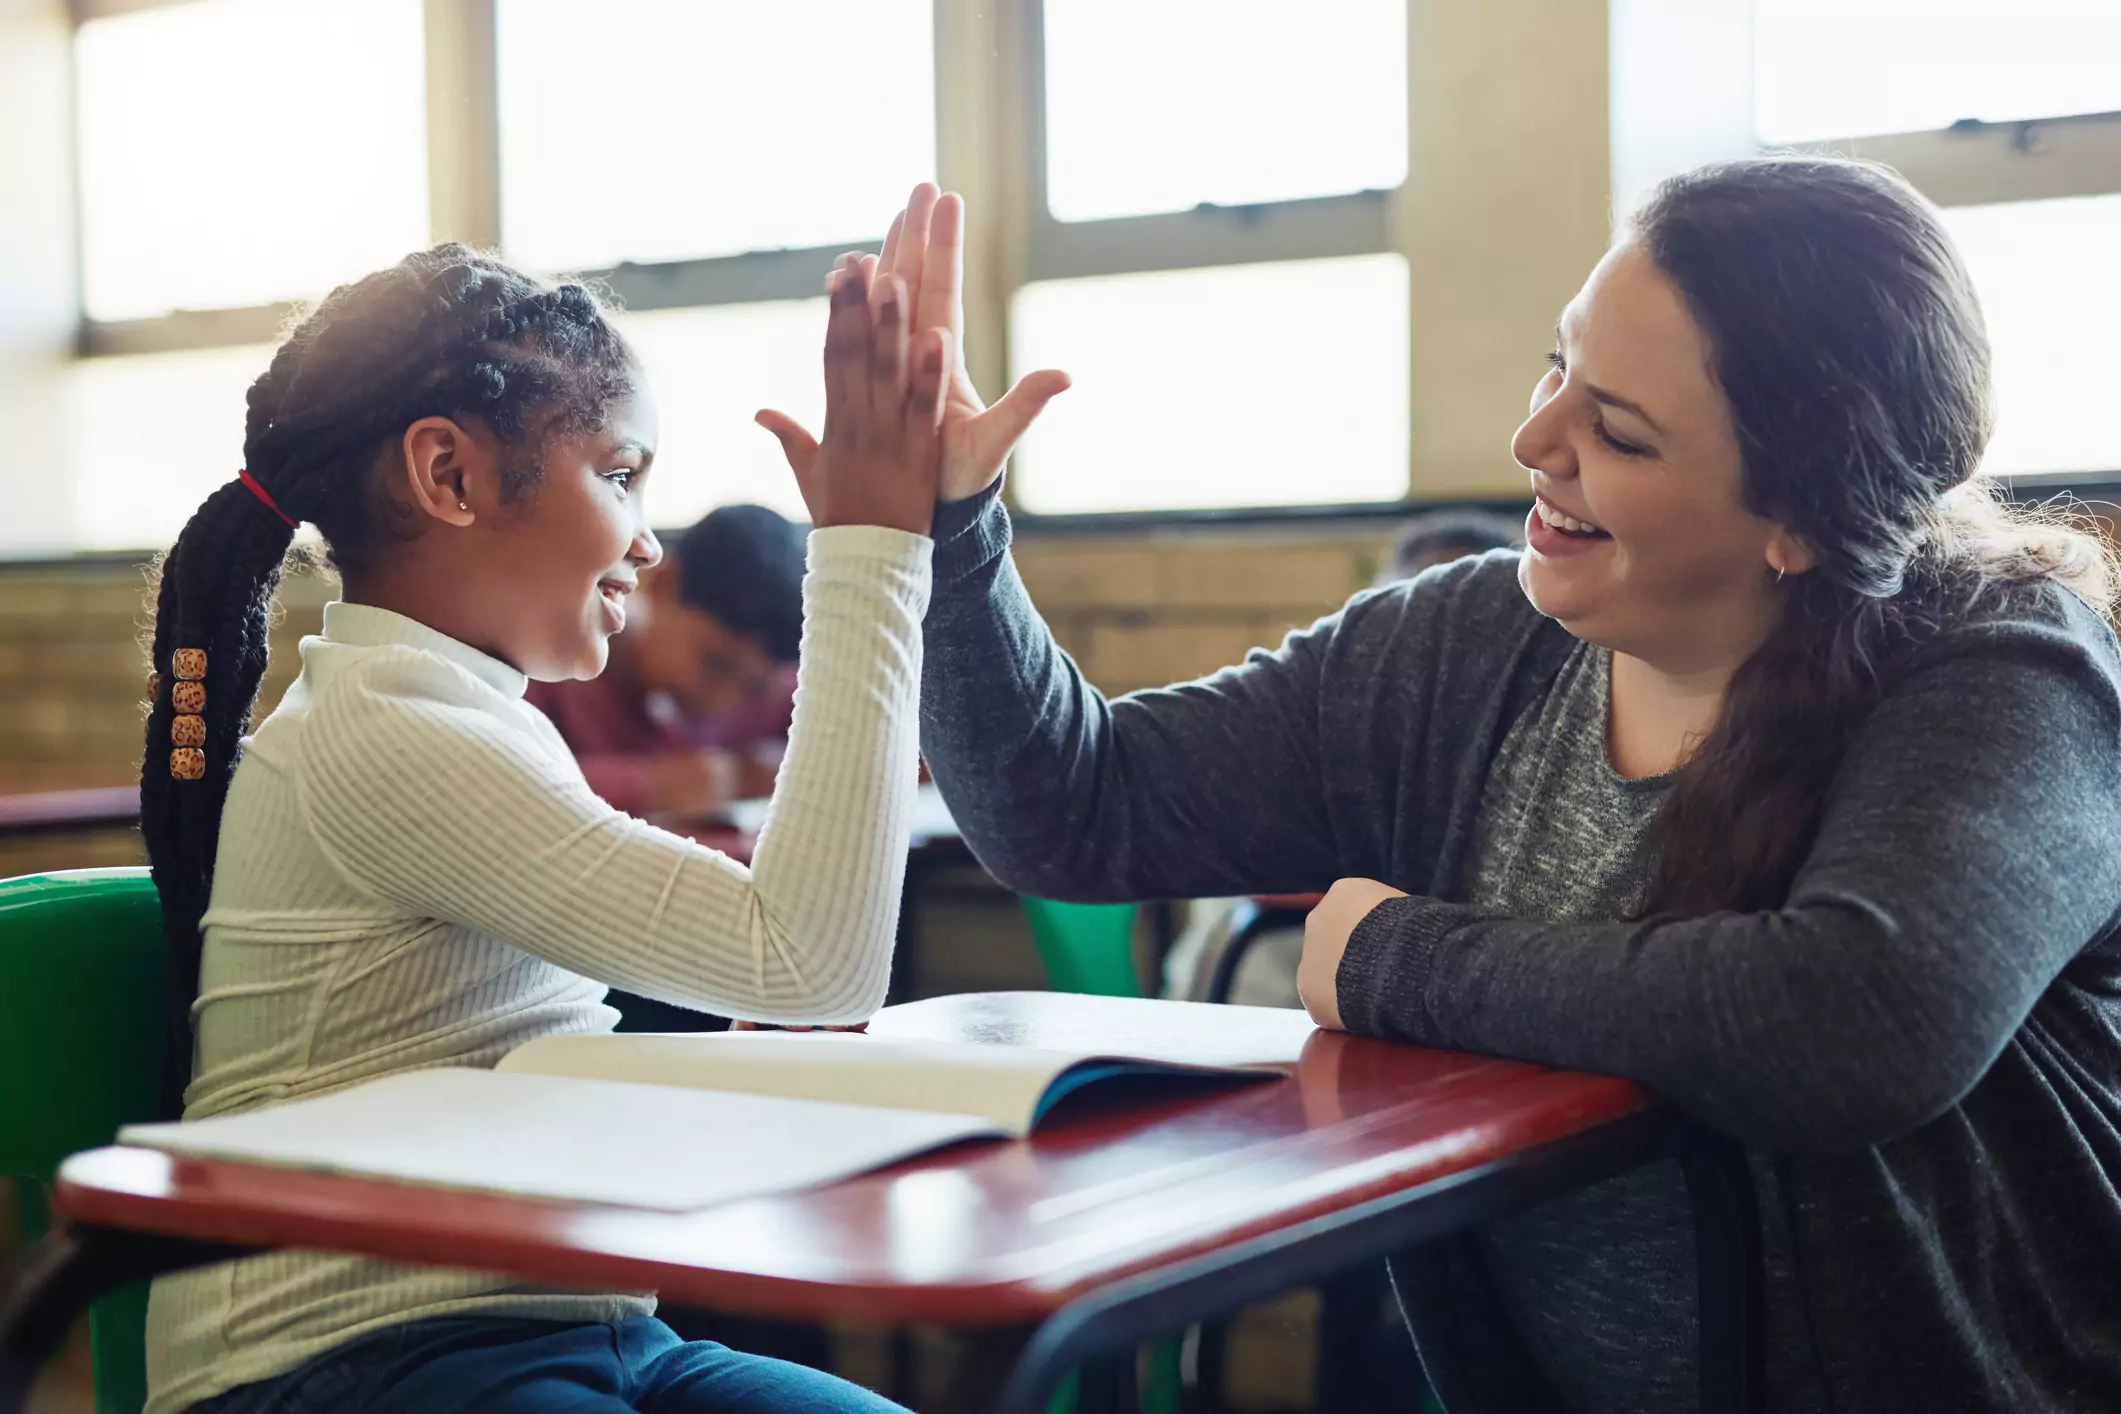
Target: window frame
<point x="464" y="201"/>
<point x="990" y="97"/>
<point x="1974" y="162"/>
<point x="1206" y="236"/>
<point x="463" y="142"/>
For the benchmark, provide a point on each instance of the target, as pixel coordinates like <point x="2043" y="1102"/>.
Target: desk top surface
<point x="990" y="1232"/>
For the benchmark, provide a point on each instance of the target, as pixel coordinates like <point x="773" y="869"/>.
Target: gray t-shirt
<point x="1600" y="1282"/>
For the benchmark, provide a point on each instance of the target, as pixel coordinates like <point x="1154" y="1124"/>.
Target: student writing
<point x="693" y="710"/>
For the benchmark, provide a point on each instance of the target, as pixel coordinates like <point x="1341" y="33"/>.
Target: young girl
<point x="1782" y="773"/>
<point x="404" y="866"/>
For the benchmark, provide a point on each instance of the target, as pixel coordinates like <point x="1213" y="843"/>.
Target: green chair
<point x="1089" y="947"/>
<point x="81" y="1016"/>
<point x="1086" y="947"/>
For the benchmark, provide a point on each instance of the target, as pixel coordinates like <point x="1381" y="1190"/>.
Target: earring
<point x="1779" y="573"/>
<point x="462" y="507"/>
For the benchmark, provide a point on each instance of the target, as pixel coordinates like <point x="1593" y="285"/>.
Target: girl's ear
<point x="447" y="472"/>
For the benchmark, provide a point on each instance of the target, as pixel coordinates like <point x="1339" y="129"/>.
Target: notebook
<point x="678" y="1122"/>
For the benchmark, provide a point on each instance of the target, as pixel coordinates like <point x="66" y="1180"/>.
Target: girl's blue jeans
<point x="481" y="1365"/>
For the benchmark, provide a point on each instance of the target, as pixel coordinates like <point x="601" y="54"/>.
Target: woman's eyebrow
<point x="1610" y="399"/>
<point x="1605" y="396"/>
<point x="635" y="444"/>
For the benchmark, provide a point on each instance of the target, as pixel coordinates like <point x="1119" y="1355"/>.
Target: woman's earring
<point x="462" y="507"/>
<point x="1779" y="573"/>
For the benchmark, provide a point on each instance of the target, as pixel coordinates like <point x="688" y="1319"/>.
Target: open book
<point x="683" y="1121"/>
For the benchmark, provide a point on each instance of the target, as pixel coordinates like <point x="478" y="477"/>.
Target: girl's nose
<point x="646" y="552"/>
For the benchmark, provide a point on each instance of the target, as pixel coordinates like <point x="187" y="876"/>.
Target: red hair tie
<point x="262" y="494"/>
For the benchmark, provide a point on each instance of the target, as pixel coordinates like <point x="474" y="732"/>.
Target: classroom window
<point x="150" y="436"/>
<point x="657" y="130"/>
<point x="1242" y="385"/>
<point x="2036" y="215"/>
<point x="710" y="370"/>
<point x="2051" y="290"/>
<point x="242" y="152"/>
<point x="1840" y="68"/>
<point x="1154" y="108"/>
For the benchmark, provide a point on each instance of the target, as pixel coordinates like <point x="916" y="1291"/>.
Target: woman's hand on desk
<point x="1326" y="934"/>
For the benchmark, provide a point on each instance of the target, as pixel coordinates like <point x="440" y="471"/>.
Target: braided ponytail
<point x="445" y="332"/>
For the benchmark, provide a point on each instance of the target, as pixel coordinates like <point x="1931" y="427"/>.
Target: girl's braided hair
<point x="447" y="332"/>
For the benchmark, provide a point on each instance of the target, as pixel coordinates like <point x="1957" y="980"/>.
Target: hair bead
<point x="187" y="730"/>
<point x="187" y="763"/>
<point x="188" y="697"/>
<point x="188" y="664"/>
<point x="154" y="686"/>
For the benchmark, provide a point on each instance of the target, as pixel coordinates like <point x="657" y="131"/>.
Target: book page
<point x="555" y="1137"/>
<point x="1200" y="1034"/>
<point x="1002" y="1085"/>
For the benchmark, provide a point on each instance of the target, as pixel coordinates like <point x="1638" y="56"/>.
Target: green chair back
<point x="1089" y="947"/>
<point x="1086" y="947"/>
<point x="81" y="1014"/>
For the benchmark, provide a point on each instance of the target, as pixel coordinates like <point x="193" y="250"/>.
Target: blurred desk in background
<point x="91" y="828"/>
<point x="935" y="842"/>
<point x="50" y="811"/>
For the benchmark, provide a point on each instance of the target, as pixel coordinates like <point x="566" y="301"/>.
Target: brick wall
<point x="1134" y="611"/>
<point x="73" y="685"/>
<point x="1164" y="606"/>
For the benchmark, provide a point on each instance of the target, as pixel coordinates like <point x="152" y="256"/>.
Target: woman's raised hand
<point x="925" y="253"/>
<point x="880" y="459"/>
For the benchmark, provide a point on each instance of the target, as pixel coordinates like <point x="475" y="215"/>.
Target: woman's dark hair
<point x="446" y="332"/>
<point x="744" y="566"/>
<point x="1845" y="333"/>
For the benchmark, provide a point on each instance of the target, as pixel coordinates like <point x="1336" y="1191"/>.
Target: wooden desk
<point x="1117" y="1220"/>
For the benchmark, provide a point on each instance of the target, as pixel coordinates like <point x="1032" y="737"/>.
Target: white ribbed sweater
<point x="412" y="872"/>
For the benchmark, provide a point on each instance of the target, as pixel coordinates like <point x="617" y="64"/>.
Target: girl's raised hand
<point x="880" y="459"/>
<point x="925" y="250"/>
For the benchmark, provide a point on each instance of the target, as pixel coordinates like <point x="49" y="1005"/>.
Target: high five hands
<point x="924" y="257"/>
<point x="879" y="460"/>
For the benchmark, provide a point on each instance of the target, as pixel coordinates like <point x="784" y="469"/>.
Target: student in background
<point x="693" y="710"/>
<point x="403" y="867"/>
<point x="1439" y="537"/>
<point x="1781" y="774"/>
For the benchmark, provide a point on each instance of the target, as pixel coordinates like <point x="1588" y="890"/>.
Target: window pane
<point x="1245" y="385"/>
<point x="1844" y="68"/>
<point x="237" y="152"/>
<point x="666" y="129"/>
<point x="710" y="370"/>
<point x="1160" y="107"/>
<point x="148" y="437"/>
<point x="2051" y="291"/>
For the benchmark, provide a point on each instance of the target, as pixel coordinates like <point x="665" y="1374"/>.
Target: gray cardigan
<point x="1925" y="1038"/>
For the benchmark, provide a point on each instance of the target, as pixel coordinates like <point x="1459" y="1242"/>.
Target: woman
<point x="1782" y="773"/>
